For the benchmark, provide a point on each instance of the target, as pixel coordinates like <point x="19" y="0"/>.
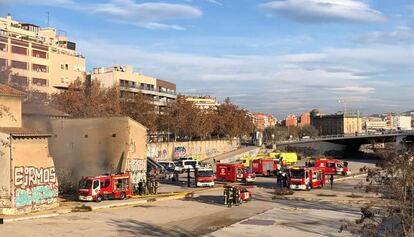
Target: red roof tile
<point x="10" y="91"/>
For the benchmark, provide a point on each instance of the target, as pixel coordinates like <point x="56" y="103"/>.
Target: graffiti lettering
<point x="211" y="151"/>
<point x="43" y="194"/>
<point x="29" y="176"/>
<point x="179" y="151"/>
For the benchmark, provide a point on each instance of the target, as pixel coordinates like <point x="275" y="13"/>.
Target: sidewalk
<point x="77" y="206"/>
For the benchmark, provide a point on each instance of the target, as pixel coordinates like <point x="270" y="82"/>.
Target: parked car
<point x="186" y="165"/>
<point x="170" y="166"/>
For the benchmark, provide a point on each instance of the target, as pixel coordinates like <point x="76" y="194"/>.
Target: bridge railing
<point x="335" y="136"/>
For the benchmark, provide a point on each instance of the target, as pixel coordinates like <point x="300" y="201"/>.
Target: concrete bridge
<point x="353" y="142"/>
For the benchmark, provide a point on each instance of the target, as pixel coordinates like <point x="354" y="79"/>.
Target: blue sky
<point x="268" y="56"/>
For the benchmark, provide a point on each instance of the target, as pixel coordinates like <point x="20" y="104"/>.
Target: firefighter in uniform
<point x="156" y="185"/>
<point x="236" y="196"/>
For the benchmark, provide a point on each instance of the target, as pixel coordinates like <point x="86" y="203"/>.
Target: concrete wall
<point x="196" y="149"/>
<point x="31" y="177"/>
<point x="89" y="147"/>
<point x="13" y="116"/>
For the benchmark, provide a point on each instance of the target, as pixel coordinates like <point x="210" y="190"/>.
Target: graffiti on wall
<point x="35" y="186"/>
<point x="29" y="176"/>
<point x="38" y="195"/>
<point x="211" y="152"/>
<point x="137" y="168"/>
<point x="180" y="151"/>
<point x="158" y="154"/>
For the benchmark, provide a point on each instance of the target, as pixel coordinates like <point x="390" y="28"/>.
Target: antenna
<point x="341" y="101"/>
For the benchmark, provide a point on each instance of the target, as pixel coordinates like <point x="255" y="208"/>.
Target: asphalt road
<point x="204" y="214"/>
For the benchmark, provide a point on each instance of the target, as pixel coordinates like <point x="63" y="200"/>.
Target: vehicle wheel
<point x="308" y="187"/>
<point x="99" y="198"/>
<point x="223" y="180"/>
<point x="123" y="196"/>
<point x="343" y="173"/>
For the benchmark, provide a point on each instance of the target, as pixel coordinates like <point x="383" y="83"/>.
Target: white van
<point x="170" y="166"/>
<point x="189" y="164"/>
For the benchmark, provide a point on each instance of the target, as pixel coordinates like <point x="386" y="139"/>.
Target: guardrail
<point x="348" y="136"/>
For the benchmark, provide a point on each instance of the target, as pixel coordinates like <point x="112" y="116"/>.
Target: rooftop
<point x="6" y="90"/>
<point x="23" y="132"/>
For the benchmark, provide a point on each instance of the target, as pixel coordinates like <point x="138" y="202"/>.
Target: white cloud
<point x="270" y="82"/>
<point x="149" y="15"/>
<point x="215" y="2"/>
<point x="400" y="35"/>
<point x="324" y="11"/>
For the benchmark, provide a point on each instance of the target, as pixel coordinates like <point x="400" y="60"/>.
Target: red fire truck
<point x="331" y="166"/>
<point x="116" y="186"/>
<point x="306" y="178"/>
<point x="233" y="173"/>
<point x="205" y="177"/>
<point x="265" y="167"/>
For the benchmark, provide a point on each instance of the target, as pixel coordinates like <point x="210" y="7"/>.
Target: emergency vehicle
<point x="287" y="158"/>
<point x="116" y="186"/>
<point x="265" y="167"/>
<point x="306" y="178"/>
<point x="331" y="166"/>
<point x="233" y="173"/>
<point x="205" y="177"/>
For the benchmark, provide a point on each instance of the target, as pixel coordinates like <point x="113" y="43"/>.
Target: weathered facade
<point x="28" y="181"/>
<point x="337" y="124"/>
<point x="94" y="146"/>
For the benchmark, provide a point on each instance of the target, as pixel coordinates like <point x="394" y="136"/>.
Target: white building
<point x="401" y="122"/>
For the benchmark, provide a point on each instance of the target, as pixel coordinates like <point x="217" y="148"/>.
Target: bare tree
<point x="392" y="214"/>
<point x="88" y="100"/>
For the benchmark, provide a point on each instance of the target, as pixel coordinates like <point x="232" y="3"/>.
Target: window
<point x="95" y="184"/>
<point x="39" y="68"/>
<point x="66" y="66"/>
<point x="19" y="50"/>
<point x="20" y="42"/>
<point x="62" y="66"/>
<point x="106" y="183"/>
<point x="19" y="80"/>
<point x="330" y="165"/>
<point x="3" y="62"/>
<point x="39" y="54"/>
<point x="3" y="47"/>
<point x="19" y="65"/>
<point x="39" y="81"/>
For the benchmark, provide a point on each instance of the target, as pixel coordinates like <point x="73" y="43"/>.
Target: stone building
<point x="28" y="181"/>
<point x="337" y="124"/>
<point x="95" y="146"/>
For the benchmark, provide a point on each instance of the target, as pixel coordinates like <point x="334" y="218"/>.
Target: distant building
<point x="337" y="124"/>
<point x="203" y="102"/>
<point x="401" y="122"/>
<point x="28" y="179"/>
<point x="305" y="119"/>
<point x="159" y="92"/>
<point x="291" y="121"/>
<point x="38" y="58"/>
<point x="371" y="126"/>
<point x="262" y="121"/>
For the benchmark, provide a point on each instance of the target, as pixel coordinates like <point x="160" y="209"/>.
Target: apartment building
<point x="337" y="124"/>
<point x="38" y="59"/>
<point x="291" y="120"/>
<point x="262" y="121"/>
<point x="159" y="92"/>
<point x="203" y="102"/>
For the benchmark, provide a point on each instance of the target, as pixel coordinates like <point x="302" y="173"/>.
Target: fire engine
<point x="233" y="173"/>
<point x="265" y="167"/>
<point x="116" y="186"/>
<point x="331" y="166"/>
<point x="205" y="177"/>
<point x="306" y="178"/>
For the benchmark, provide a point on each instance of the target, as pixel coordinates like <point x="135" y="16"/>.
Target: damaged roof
<point x="10" y="91"/>
<point x="23" y="132"/>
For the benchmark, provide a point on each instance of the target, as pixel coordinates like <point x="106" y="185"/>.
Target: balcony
<point x="145" y="90"/>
